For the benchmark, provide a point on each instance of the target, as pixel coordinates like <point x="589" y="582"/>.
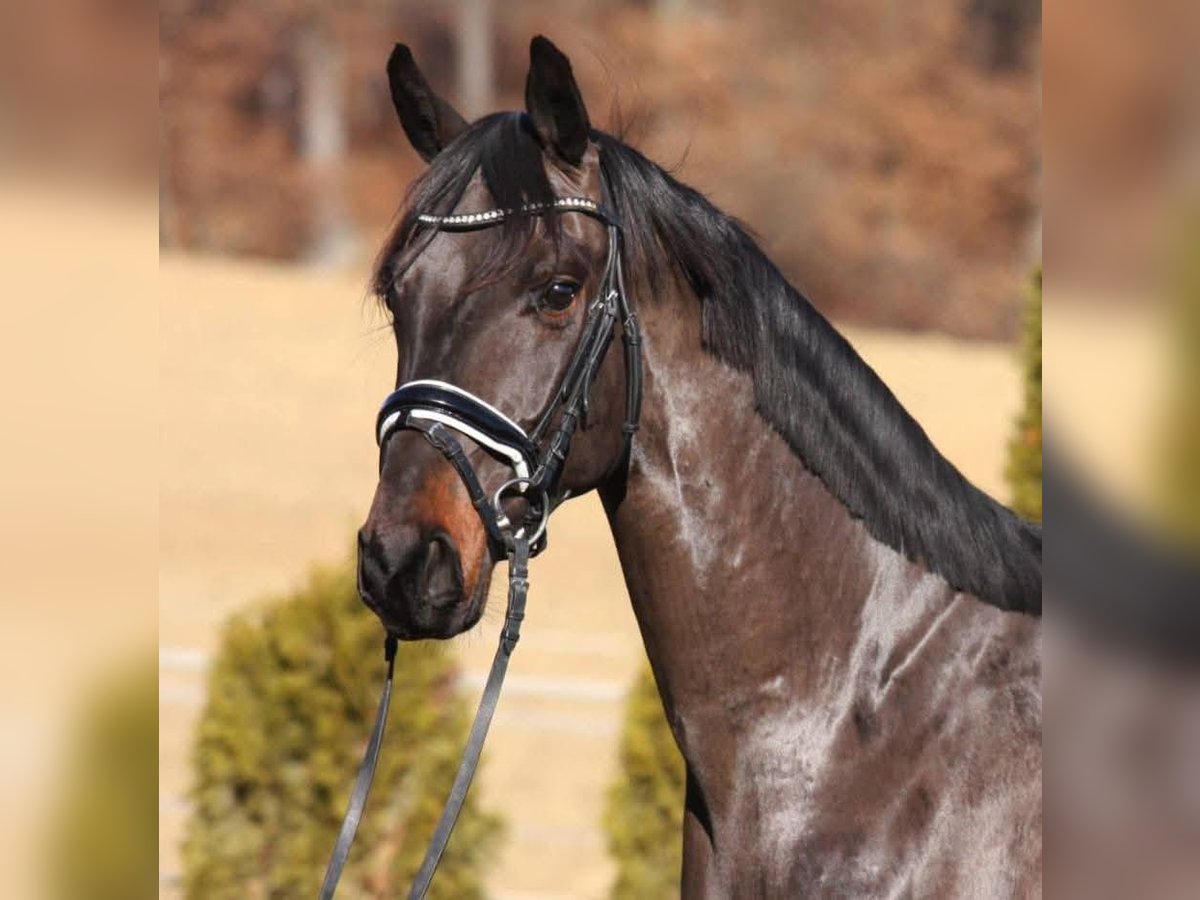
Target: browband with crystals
<point x="493" y="216"/>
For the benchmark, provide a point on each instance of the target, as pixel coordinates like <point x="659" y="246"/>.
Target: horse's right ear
<point x="554" y="103"/>
<point x="429" y="121"/>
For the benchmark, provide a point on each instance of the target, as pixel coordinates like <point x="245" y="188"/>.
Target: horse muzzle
<point x="424" y="559"/>
<point x="420" y="592"/>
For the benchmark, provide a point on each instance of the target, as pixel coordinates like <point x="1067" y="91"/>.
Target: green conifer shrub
<point x="1024" y="469"/>
<point x="643" y="818"/>
<point x="292" y="694"/>
<point x="106" y="827"/>
<point x="1181" y="440"/>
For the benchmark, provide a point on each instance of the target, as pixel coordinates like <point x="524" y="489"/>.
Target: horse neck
<point x="756" y="593"/>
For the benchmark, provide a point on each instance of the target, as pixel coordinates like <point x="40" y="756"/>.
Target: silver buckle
<point x="522" y="487"/>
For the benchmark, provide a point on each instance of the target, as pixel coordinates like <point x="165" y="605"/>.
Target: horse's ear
<point x="429" y="121"/>
<point x="553" y="102"/>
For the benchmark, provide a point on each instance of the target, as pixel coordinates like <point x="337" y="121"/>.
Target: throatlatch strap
<point x="518" y="590"/>
<point x="362" y="784"/>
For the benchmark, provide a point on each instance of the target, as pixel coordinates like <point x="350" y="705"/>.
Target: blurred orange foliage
<point x="887" y="153"/>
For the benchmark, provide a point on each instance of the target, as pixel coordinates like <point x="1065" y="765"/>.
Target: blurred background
<point x="886" y="152"/>
<point x="79" y="442"/>
<point x="215" y="403"/>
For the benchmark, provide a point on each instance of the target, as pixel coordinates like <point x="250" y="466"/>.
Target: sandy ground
<point x="271" y="378"/>
<point x="78" y="484"/>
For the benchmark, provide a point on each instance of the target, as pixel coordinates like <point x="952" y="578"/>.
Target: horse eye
<point x="559" y="295"/>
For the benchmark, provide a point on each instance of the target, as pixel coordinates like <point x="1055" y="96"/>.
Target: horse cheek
<point x="442" y="503"/>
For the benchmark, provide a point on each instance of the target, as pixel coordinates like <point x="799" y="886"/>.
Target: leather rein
<point x="443" y="413"/>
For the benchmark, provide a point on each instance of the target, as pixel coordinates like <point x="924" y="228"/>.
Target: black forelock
<point x="504" y="150"/>
<point x="810" y="385"/>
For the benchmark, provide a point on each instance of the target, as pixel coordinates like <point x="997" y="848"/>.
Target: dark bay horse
<point x="845" y="632"/>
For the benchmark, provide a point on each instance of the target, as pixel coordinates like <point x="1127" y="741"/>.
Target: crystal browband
<point x="491" y="216"/>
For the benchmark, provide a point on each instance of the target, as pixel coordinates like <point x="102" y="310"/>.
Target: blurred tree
<point x="108" y="820"/>
<point x="670" y="9"/>
<point x="475" y="69"/>
<point x="323" y="126"/>
<point x="291" y="699"/>
<point x="1024" y="471"/>
<point x="907" y="132"/>
<point x="1000" y="29"/>
<point x="644" y="813"/>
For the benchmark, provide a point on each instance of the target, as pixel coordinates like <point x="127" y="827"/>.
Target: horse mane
<point x="810" y="385"/>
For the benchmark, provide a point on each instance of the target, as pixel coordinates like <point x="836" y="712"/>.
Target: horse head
<point x="502" y="281"/>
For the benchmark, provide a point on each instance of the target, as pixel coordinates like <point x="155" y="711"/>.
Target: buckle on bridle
<point x="537" y="512"/>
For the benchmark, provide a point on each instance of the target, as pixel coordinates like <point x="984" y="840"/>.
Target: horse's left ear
<point x="554" y="103"/>
<point x="429" y="121"/>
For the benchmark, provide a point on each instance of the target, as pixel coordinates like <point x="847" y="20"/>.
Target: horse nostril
<point x="372" y="570"/>
<point x="441" y="579"/>
<point x="425" y="577"/>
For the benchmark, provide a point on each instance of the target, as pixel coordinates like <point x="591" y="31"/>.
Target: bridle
<point x="536" y="458"/>
<point x="443" y="413"/>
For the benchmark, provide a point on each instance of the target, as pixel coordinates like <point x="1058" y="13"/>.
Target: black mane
<point x="810" y="385"/>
